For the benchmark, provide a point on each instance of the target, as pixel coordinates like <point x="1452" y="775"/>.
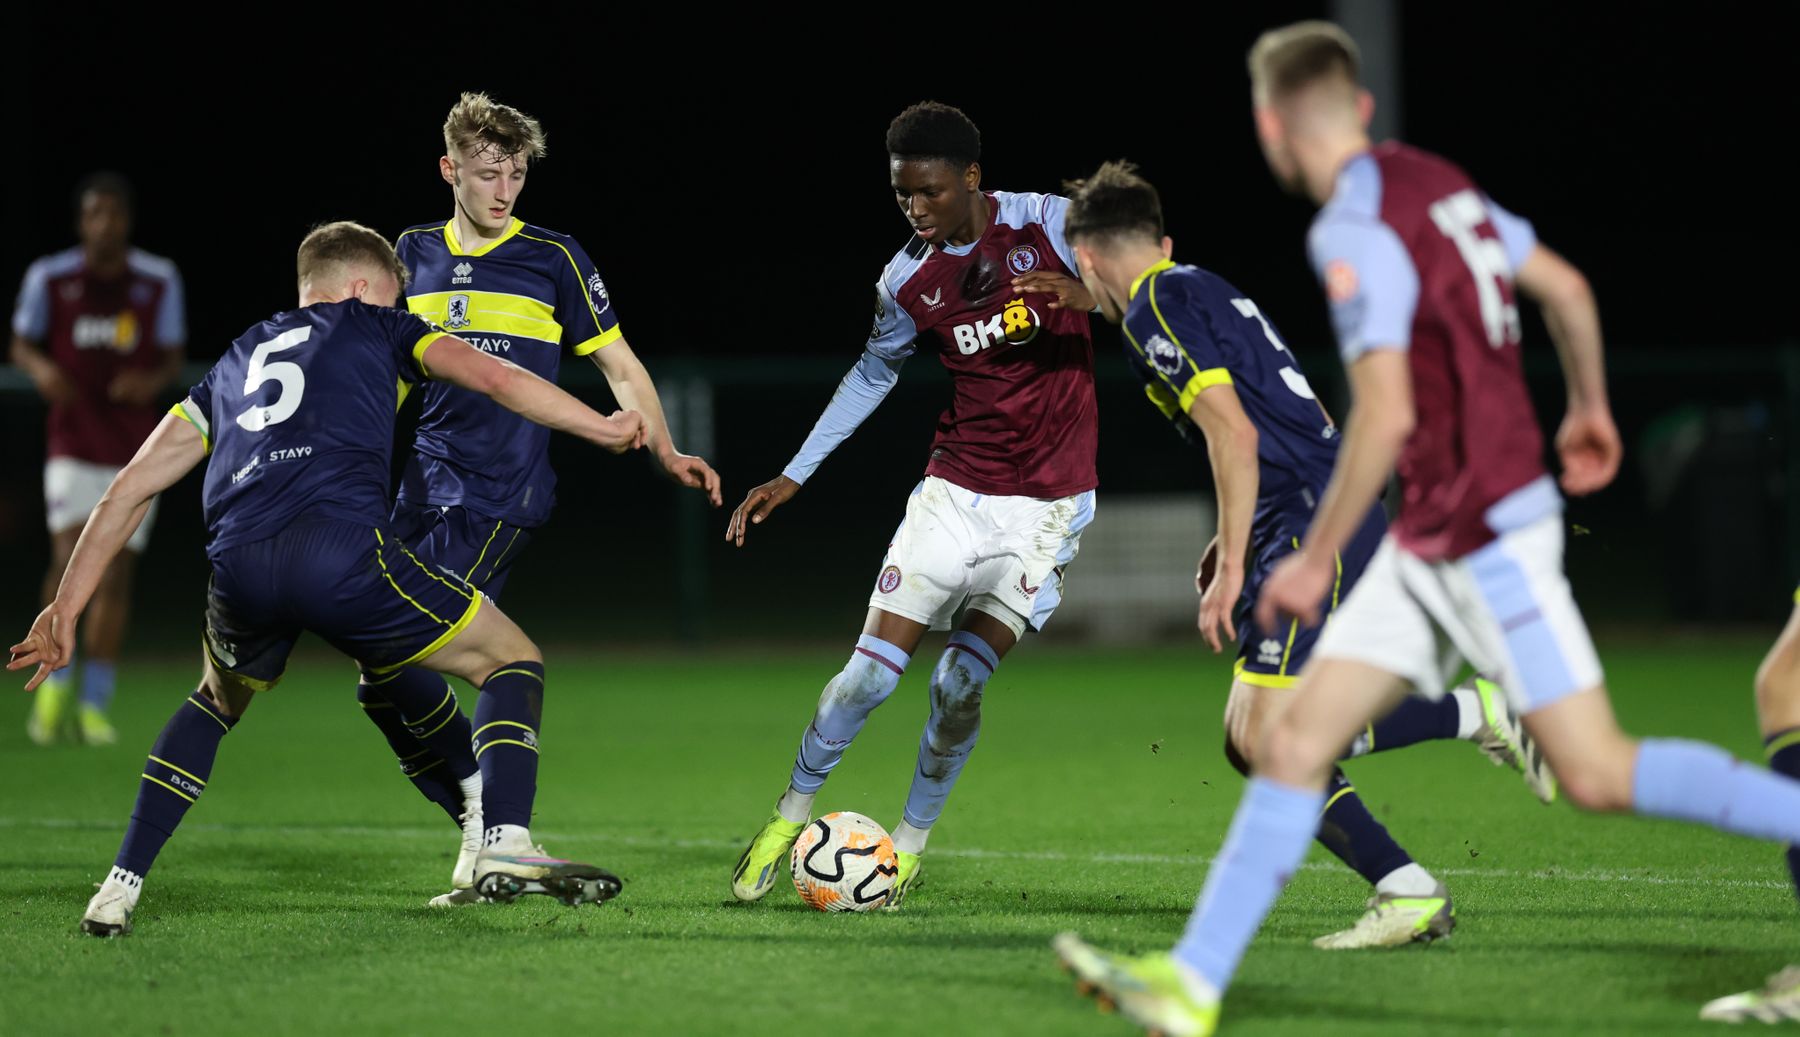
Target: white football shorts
<point x="1505" y="608"/>
<point x="958" y="549"/>
<point x="72" y="488"/>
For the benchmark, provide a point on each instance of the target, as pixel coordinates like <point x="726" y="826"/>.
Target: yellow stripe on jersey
<point x="581" y="285"/>
<point x="491" y="313"/>
<point x="401" y="388"/>
<point x="186" y="411"/>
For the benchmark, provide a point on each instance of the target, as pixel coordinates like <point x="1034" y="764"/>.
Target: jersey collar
<point x="1167" y="264"/>
<point x="457" y="250"/>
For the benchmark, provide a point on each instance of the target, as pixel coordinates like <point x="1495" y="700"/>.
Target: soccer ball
<point x="844" y="862"/>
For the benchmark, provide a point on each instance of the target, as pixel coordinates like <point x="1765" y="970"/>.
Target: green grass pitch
<point x="292" y="901"/>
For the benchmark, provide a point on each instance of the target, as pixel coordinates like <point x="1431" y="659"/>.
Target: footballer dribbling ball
<point x="844" y="862"/>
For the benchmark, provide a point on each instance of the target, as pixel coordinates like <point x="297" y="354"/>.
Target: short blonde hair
<point x="1286" y="60"/>
<point x="342" y="245"/>
<point x="478" y="124"/>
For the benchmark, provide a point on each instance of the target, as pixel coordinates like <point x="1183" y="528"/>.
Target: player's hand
<point x="1070" y="293"/>
<point x="1589" y="446"/>
<point x="625" y="430"/>
<point x="49" y="646"/>
<point x="1216" y="604"/>
<point x="54" y="386"/>
<point x="134" y="387"/>
<point x="692" y="472"/>
<point x="757" y="505"/>
<point x="1209" y="563"/>
<point x="1296" y="588"/>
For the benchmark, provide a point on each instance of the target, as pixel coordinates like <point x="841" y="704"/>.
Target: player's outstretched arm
<point x="1231" y="442"/>
<point x="1381" y="418"/>
<point x="632" y="387"/>
<point x="172" y="450"/>
<point x="450" y="359"/>
<point x="1588" y="441"/>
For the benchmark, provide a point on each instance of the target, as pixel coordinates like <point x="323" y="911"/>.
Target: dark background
<point x="728" y="177"/>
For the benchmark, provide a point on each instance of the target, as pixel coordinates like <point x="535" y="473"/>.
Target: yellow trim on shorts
<point x="1261" y="680"/>
<point x="443" y="639"/>
<point x="252" y="683"/>
<point x="1791" y="738"/>
<point x="494" y="568"/>
<point x="484" y="550"/>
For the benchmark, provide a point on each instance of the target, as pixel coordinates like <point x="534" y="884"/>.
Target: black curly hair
<point x="932" y="130"/>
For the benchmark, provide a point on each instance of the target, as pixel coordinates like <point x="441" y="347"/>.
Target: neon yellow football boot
<point x="50" y="709"/>
<point x="911" y="867"/>
<point x="760" y="865"/>
<point x="1147" y="990"/>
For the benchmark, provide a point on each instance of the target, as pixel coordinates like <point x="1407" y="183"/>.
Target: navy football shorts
<point x="461" y="544"/>
<point x="355" y="585"/>
<point x="1274" y="658"/>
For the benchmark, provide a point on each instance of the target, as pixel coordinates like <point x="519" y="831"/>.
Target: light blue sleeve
<point x="857" y="396"/>
<point x="863" y="389"/>
<point x="171" y="320"/>
<point x="1055" y="215"/>
<point x="1516" y="233"/>
<point x="31" y="315"/>
<point x="1370" y="281"/>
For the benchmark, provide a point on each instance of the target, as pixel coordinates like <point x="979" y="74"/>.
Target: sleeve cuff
<point x="1201" y="382"/>
<point x="418" y="350"/>
<point x="186" y="411"/>
<point x="600" y="341"/>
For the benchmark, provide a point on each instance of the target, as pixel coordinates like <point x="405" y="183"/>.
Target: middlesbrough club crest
<point x="1022" y="260"/>
<point x="890" y="579"/>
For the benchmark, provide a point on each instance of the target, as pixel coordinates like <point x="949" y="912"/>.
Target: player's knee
<point x="956" y="687"/>
<point x="1294" y="755"/>
<point x="1600" y="781"/>
<point x="863" y="684"/>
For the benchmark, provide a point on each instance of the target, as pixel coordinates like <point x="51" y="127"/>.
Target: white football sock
<point x="1468" y="713"/>
<point x="508" y="839"/>
<point x="795" y="806"/>
<point x="908" y="839"/>
<point x="1408" y="881"/>
<point x="130" y="882"/>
